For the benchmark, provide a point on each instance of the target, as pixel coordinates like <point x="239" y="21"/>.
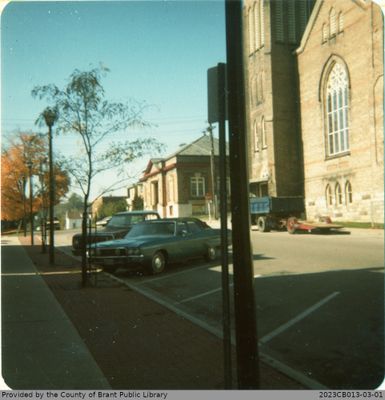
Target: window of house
<point x="197" y="186"/>
<point x="171" y="188"/>
<point x="348" y="193"/>
<point x="338" y="193"/>
<point x="328" y="195"/>
<point x="337" y="103"/>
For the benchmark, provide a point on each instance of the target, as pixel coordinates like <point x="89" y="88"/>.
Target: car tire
<point x="158" y="263"/>
<point x="211" y="253"/>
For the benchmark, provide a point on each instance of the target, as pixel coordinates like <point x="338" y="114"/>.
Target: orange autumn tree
<point x="15" y="202"/>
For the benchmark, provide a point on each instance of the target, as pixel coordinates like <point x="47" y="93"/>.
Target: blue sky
<point x="157" y="51"/>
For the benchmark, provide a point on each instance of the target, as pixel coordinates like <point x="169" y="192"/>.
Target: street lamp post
<point x="29" y="165"/>
<point x="43" y="223"/>
<point x="50" y="117"/>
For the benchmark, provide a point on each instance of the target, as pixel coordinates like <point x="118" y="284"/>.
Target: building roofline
<point x="309" y="26"/>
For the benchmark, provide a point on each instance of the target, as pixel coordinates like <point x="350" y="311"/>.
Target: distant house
<point x="180" y="184"/>
<point x="73" y="220"/>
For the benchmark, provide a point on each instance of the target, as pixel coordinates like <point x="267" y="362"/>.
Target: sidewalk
<point x="122" y="340"/>
<point x="40" y="346"/>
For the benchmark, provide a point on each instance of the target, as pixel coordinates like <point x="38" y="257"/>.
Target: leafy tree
<point x="111" y="208"/>
<point x="83" y="110"/>
<point x="24" y="148"/>
<point x="137" y="203"/>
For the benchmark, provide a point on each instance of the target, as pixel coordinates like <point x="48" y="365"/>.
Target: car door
<point x="184" y="244"/>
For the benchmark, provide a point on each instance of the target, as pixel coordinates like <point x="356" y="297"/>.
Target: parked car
<point x="116" y="228"/>
<point x="56" y="224"/>
<point x="154" y="244"/>
<point x="103" y="222"/>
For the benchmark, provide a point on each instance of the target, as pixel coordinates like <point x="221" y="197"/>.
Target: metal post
<point x="29" y="164"/>
<point x="50" y="115"/>
<point x="244" y="301"/>
<point x="224" y="233"/>
<point x="24" y="209"/>
<point x="51" y="199"/>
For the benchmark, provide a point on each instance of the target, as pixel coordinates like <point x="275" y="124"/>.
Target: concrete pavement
<point x="41" y="349"/>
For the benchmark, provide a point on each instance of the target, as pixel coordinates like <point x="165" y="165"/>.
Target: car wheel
<point x="158" y="263"/>
<point x="211" y="253"/>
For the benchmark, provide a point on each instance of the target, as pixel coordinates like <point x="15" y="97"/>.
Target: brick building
<point x="299" y="56"/>
<point x="180" y="184"/>
<point x="340" y="63"/>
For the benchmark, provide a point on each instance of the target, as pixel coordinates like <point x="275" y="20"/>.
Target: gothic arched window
<point x="337" y="105"/>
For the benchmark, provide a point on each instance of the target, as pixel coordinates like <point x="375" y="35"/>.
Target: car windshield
<point x="125" y="220"/>
<point x="149" y="229"/>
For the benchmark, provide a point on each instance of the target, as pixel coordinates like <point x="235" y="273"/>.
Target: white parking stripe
<point x="201" y="295"/>
<point x="171" y="275"/>
<point x="296" y="375"/>
<point x="298" y="318"/>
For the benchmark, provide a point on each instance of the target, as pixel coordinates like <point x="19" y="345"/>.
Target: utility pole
<point x="244" y="301"/>
<point x="210" y="129"/>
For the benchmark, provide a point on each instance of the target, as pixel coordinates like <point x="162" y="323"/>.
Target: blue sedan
<point x="154" y="244"/>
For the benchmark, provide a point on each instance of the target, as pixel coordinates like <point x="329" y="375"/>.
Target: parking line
<point x="298" y="318"/>
<point x="201" y="295"/>
<point x="280" y="366"/>
<point x="165" y="276"/>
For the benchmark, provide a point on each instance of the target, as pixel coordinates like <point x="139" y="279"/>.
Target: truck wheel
<point x="263" y="225"/>
<point x="291" y="225"/>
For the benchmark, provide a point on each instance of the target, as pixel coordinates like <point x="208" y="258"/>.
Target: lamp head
<point x="50" y="116"/>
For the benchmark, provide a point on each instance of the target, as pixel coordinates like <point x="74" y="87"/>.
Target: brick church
<point x="314" y="87"/>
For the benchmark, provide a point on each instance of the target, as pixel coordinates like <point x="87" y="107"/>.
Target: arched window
<point x="337" y="104"/>
<point x="262" y="22"/>
<point x="348" y="193"/>
<point x="257" y="26"/>
<point x="338" y="193"/>
<point x="332" y="22"/>
<point x="260" y="88"/>
<point x="256" y="136"/>
<point x="263" y="133"/>
<point x="251" y="31"/>
<point x="324" y="33"/>
<point x="340" y="22"/>
<point x="328" y="195"/>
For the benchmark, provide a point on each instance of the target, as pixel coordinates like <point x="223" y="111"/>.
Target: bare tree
<point x="83" y="109"/>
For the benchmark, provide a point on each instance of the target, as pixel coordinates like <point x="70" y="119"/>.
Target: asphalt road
<point x="319" y="303"/>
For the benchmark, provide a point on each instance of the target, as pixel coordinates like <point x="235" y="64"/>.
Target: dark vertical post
<point x="51" y="198"/>
<point x="223" y="213"/>
<point x="29" y="164"/>
<point x="244" y="301"/>
<point x="24" y="209"/>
